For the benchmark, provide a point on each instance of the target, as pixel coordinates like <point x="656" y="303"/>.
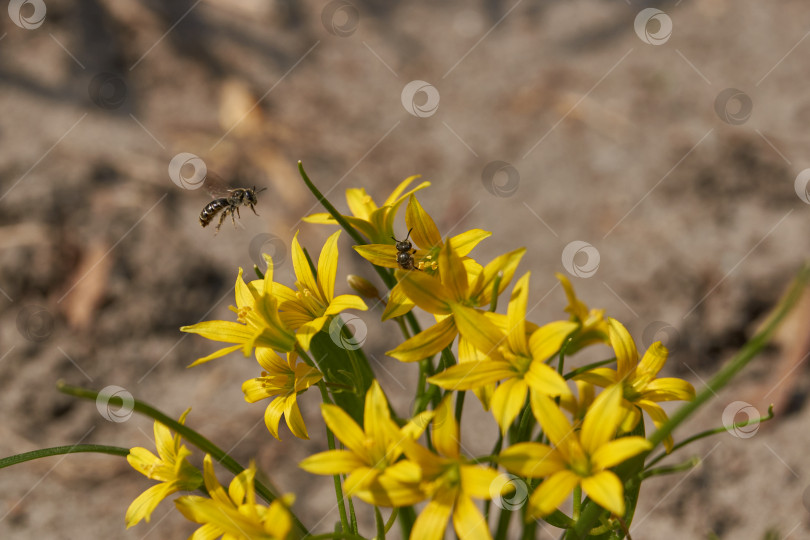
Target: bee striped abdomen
<point x="211" y="209"/>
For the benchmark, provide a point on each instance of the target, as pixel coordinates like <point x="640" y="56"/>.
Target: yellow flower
<point x="451" y="482"/>
<point x="375" y="223"/>
<point x="513" y="358"/>
<point x="283" y="381"/>
<point x="235" y="513"/>
<point x="371" y="457"/>
<point x="593" y="324"/>
<point x="450" y="295"/>
<point x="258" y="323"/>
<point x="171" y="468"/>
<point x="428" y="241"/>
<point x="640" y="387"/>
<point x="313" y="304"/>
<point x="579" y="458"/>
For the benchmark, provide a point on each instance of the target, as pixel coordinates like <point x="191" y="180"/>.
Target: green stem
<point x="577" y="502"/>
<point x="574" y="372"/>
<point x="690" y="463"/>
<point x="496" y="284"/>
<point x="391" y="519"/>
<point x="265" y="492"/>
<point x="380" y="525"/>
<point x="503" y="524"/>
<point x="60" y="450"/>
<point x="352" y="515"/>
<point x="330" y="441"/>
<point x="459" y="405"/>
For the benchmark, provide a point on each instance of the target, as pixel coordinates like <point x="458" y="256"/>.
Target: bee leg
<point x="233" y="210"/>
<point x="237" y="212"/>
<point x="221" y="219"/>
<point x="254" y="209"/>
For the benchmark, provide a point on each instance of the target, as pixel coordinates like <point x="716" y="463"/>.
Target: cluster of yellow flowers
<point x="514" y="367"/>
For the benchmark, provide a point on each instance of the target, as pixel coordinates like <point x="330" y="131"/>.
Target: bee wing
<point x="215" y="185"/>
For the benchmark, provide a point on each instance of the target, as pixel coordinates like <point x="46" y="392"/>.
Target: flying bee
<point x="226" y="201"/>
<point x="404" y="253"/>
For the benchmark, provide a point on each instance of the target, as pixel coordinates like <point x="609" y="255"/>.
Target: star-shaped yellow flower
<point x="170" y="466"/>
<point x="640" y="387"/>
<point x="371" y="457"/>
<point x="578" y="458"/>
<point x="512" y="357"/>
<point x="373" y="222"/>
<point x="235" y="513"/>
<point x="282" y="381"/>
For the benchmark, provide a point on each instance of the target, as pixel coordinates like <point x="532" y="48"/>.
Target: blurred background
<point x="654" y="152"/>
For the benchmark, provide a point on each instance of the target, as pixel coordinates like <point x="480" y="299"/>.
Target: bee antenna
<point x="409" y="233"/>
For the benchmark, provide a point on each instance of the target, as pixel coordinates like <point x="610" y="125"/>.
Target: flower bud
<point x="363" y="286"/>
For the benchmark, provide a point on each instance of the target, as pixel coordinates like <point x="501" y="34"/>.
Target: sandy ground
<point x="623" y="136"/>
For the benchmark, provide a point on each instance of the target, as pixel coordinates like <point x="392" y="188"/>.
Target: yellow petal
<point x="547" y="340"/>
<point x="606" y="490"/>
<point x="432" y="522"/>
<point x="360" y="478"/>
<point x="602" y="419"/>
<point x="425" y="234"/>
<point x="244" y="297"/>
<point x="376" y="415"/>
<point x="551" y="493"/>
<point x="575" y="307"/>
<point x="426" y="343"/>
<point x="659" y="418"/>
<point x="623" y="346"/>
<point x="653" y="360"/>
<point x="476" y="481"/>
<point x="272" y="416"/>
<point x="327" y="267"/>
<point x="427" y="292"/>
<point x="603" y="377"/>
<point x="507" y="401"/>
<point x="445" y="429"/>
<point x="545" y="380"/>
<point x="398" y="194"/>
<point x="225" y="331"/>
<point x="555" y="425"/>
<point x="384" y="255"/>
<point x="217" y="354"/>
<point x="531" y="460"/>
<point x="307" y="331"/>
<point x="345" y="429"/>
<point x="386" y="491"/>
<point x="506" y="263"/>
<point x="294" y="419"/>
<point x="619" y="450"/>
<point x="471" y="375"/>
<point x="669" y="389"/>
<point x="516" y="317"/>
<point x="320" y="218"/>
<point x="398" y="303"/>
<point x="332" y="462"/>
<point x="468" y="521"/>
<point x="453" y="274"/>
<point x="344" y="302"/>
<point x="303" y="272"/>
<point x="145" y="503"/>
<point x="360" y="203"/>
<point x="464" y="243"/>
<point x="479" y="330"/>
